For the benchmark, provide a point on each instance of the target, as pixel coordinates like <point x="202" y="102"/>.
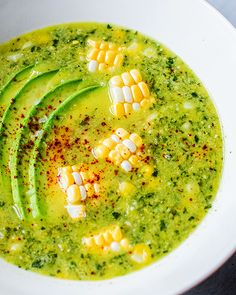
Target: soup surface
<point x="110" y="151"/>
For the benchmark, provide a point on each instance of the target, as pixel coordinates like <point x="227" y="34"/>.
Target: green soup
<point x="110" y="151"/>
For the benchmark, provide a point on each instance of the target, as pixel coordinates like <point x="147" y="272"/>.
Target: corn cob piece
<point x="112" y="240"/>
<point x="78" y="183"/>
<point x="121" y="148"/>
<point x="129" y="93"/>
<point x="103" y="55"/>
<point x="109" y="239"/>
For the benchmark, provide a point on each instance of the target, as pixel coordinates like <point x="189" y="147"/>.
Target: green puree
<point x="53" y="112"/>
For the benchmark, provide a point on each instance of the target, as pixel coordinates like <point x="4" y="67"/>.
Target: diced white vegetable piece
<point x="43" y="119"/>
<point x="27" y="44"/>
<point x="83" y="192"/>
<point x="76" y="211"/>
<point x="15" y="57"/>
<point x="188" y="105"/>
<point x="106" y="248"/>
<point x="130" y="145"/>
<point x="73" y="194"/>
<point x="126" y="166"/>
<point x="115" y="246"/>
<point x="77" y="178"/>
<point x="136" y="106"/>
<point x="127" y="94"/>
<point x="137" y="258"/>
<point x="117" y="94"/>
<point x="15" y="247"/>
<point x="93" y="66"/>
<point x="115" y="138"/>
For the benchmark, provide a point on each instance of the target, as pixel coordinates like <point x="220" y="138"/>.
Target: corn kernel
<point x="103" y="45"/>
<point x="112" y="46"/>
<point x="76" y="211"/>
<point x="92" y="55"/>
<point x="128" y="108"/>
<point x="76" y="168"/>
<point x="125" y="244"/>
<point x="119" y="110"/>
<point x="123" y="150"/>
<point x="89" y="242"/>
<point x="101" y="151"/>
<point x="133" y="160"/>
<point x="85" y="175"/>
<point x="147" y="171"/>
<point x="115" y="138"/>
<point x="136" y="92"/>
<point x="137" y="140"/>
<point x="117" y="234"/>
<point x="73" y="194"/>
<point x="127" y="94"/>
<point x="83" y="192"/>
<point x="66" y="169"/>
<point x="99" y="240"/>
<point x="136" y="75"/>
<point x="130" y="145"/>
<point x="144" y="89"/>
<point x="102" y="67"/>
<point x="107" y="237"/>
<point x="115" y="247"/>
<point x="65" y="178"/>
<point x="135" y="106"/>
<point x="89" y="189"/>
<point x="117" y="95"/>
<point x="115" y="157"/>
<point x="101" y="56"/>
<point x="126" y="188"/>
<point x="127" y="79"/>
<point x="108" y="142"/>
<point x="96" y="188"/>
<point x="93" y="66"/>
<point x="116" y="81"/>
<point x="118" y="59"/>
<point x="93" y="43"/>
<point x="141" y="254"/>
<point x="122" y="133"/>
<point x="125" y="165"/>
<point x="77" y="178"/>
<point x="110" y="56"/>
<point x="145" y="103"/>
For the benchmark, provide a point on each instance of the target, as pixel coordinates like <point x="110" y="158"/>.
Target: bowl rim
<point x="224" y="257"/>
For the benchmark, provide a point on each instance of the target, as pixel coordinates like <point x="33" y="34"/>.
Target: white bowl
<point x="205" y="41"/>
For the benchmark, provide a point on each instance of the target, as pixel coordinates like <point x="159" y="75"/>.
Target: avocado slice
<point x="37" y="210"/>
<point x="10" y="89"/>
<point x="32" y="124"/>
<point x="12" y="118"/>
